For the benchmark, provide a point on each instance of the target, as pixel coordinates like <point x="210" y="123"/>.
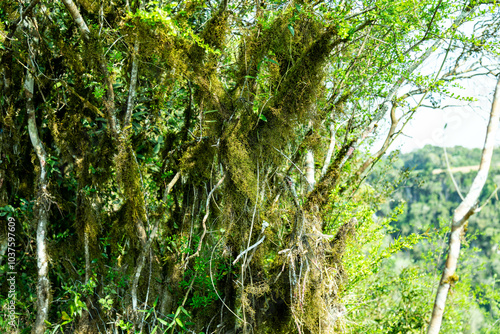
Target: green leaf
<point x="156" y="149"/>
<point x="292" y="31"/>
<point x="185" y="312"/>
<point x="163" y="322"/>
<point x="65" y="316"/>
<point x="272" y="61"/>
<point x="140" y="113"/>
<point x="262" y="117"/>
<point x="179" y="322"/>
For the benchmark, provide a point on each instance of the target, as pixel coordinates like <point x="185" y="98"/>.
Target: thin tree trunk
<point x="460" y="216"/>
<point x="331" y="148"/>
<point x="133" y="79"/>
<point x="133" y="84"/>
<point x="43" y="202"/>
<point x="310" y="170"/>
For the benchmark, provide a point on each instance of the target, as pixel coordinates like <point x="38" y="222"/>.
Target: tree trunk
<point x="466" y="209"/>
<point x="42" y="203"/>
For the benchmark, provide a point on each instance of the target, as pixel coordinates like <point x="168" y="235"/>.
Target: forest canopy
<point x="203" y="166"/>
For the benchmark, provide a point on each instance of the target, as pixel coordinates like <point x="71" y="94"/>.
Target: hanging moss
<point x="128" y="176"/>
<point x="241" y="164"/>
<point x="215" y="31"/>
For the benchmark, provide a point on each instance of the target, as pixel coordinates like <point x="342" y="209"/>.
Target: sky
<point x="453" y="123"/>
<point x="466" y="122"/>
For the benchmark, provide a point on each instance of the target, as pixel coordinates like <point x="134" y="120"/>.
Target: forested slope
<point x="428" y="197"/>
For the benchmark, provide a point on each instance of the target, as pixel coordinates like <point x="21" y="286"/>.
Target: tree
<point x="464" y="211"/>
<point x="176" y="137"/>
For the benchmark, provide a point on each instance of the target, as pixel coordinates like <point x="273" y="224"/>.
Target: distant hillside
<point x="432" y="157"/>
<point x="430" y="196"/>
<point x="420" y="184"/>
<point x="464" y="169"/>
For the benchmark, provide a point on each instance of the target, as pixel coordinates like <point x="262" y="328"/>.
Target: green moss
<point x="241" y="165"/>
<point x="128" y="176"/>
<point x="197" y="162"/>
<point x="451" y="280"/>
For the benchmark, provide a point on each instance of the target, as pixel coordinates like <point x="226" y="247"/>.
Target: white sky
<point x="466" y="124"/>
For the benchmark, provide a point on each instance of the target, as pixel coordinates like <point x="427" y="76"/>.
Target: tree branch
<point x="77" y="17"/>
<point x="110" y="95"/>
<point x="145" y="249"/>
<point x="385" y="146"/>
<point x="448" y="168"/>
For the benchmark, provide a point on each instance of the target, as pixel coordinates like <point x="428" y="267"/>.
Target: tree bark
<point x="87" y="257"/>
<point x="462" y="214"/>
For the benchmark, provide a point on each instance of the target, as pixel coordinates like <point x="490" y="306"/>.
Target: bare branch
<point x="264" y="226"/>
<point x="451" y="174"/>
<point x="133" y="84"/>
<point x="133" y="80"/>
<point x="23" y="14"/>
<point x="385" y="146"/>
